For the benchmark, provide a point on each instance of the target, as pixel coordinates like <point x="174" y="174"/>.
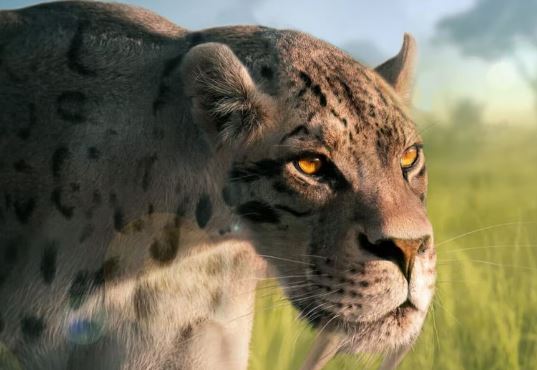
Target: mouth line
<point x="397" y="313"/>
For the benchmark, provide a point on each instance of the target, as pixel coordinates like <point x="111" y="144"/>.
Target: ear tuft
<point x="399" y="70"/>
<point x="225" y="98"/>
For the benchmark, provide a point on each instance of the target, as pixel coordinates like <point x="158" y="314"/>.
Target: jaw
<point x="395" y="329"/>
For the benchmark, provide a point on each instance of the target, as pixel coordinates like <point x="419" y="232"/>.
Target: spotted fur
<point x="149" y="175"/>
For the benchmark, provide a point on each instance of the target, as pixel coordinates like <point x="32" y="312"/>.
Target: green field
<point x="483" y="205"/>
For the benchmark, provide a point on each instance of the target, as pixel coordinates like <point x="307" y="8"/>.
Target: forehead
<point x="348" y="105"/>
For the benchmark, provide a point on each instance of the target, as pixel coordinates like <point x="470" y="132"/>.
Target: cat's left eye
<point x="309" y="165"/>
<point x="409" y="157"/>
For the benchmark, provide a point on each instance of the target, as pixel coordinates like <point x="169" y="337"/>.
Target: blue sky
<point x="373" y="31"/>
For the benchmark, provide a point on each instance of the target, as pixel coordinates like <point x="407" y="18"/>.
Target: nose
<point x="401" y="251"/>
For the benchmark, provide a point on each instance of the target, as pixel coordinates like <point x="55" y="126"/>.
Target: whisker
<point x="484" y="229"/>
<point x="490" y="263"/>
<point x="284" y="259"/>
<point x="492" y="247"/>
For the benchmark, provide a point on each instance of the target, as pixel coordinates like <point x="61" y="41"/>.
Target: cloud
<point x="491" y="28"/>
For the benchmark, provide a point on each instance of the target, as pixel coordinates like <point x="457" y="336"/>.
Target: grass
<point x="483" y="205"/>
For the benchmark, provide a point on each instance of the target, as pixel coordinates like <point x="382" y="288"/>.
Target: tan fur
<point x="149" y="173"/>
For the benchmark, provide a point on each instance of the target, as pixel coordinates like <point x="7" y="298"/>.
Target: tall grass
<point x="483" y="205"/>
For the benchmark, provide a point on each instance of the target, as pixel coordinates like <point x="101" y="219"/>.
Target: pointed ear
<point x="399" y="70"/>
<point x="225" y="100"/>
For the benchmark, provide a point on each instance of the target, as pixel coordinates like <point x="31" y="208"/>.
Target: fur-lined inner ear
<point x="226" y="101"/>
<point x="399" y="70"/>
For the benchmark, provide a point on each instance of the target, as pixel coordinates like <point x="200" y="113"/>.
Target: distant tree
<point x="467" y="113"/>
<point x="492" y="29"/>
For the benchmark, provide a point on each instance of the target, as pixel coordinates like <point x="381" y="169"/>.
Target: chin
<point x="389" y="331"/>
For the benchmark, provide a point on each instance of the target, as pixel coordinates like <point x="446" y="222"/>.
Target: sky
<point x="372" y="31"/>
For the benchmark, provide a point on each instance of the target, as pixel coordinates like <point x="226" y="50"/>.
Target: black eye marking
<point x="292" y="211"/>
<point x="329" y="173"/>
<point x="263" y="168"/>
<point x="258" y="212"/>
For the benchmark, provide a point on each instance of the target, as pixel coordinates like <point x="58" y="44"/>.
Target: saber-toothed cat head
<point x="327" y="173"/>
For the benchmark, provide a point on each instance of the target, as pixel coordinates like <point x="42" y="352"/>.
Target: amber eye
<point x="409" y="157"/>
<point x="309" y="165"/>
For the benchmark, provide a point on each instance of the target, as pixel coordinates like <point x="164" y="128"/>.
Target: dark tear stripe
<point x="263" y="168"/>
<point x="71" y="106"/>
<point x="292" y="211"/>
<point x="24" y="133"/>
<point x="32" y="327"/>
<point x="60" y="155"/>
<point x="56" y="198"/>
<point x="297" y="130"/>
<point x="147" y="164"/>
<point x="164" y="87"/>
<point x="74" y="61"/>
<point x="422" y="171"/>
<point x="48" y="262"/>
<point x="204" y="210"/>
<point x="258" y="212"/>
<point x="24" y="209"/>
